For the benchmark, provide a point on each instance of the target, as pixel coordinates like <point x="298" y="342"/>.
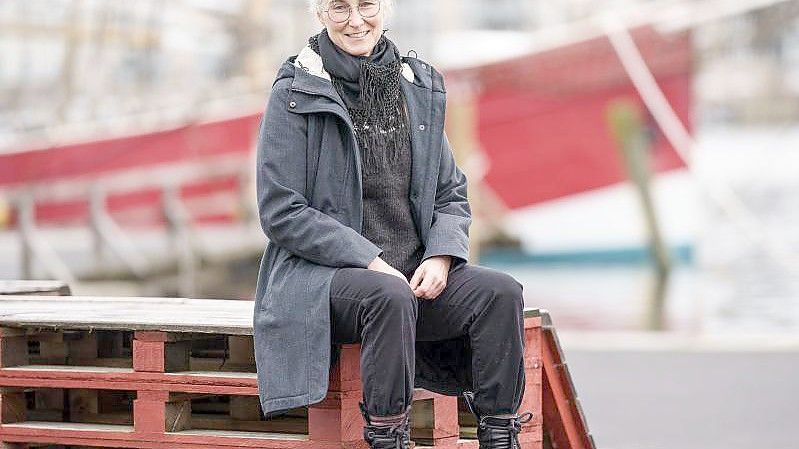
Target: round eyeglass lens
<point x="340" y="11"/>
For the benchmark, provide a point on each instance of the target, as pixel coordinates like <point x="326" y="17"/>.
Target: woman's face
<point x="357" y="35"/>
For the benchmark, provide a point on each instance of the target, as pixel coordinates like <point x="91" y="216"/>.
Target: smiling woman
<point x="354" y="26"/>
<point x="368" y="224"/>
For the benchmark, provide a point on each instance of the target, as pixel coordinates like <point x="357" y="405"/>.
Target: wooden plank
<point x="14" y="287"/>
<point x="180" y="315"/>
<point x="242" y="350"/>
<point x="126" y="379"/>
<point x="12" y="405"/>
<point x="290" y="425"/>
<point x="245" y="408"/>
<point x="82" y="348"/>
<point x="563" y="418"/>
<point x="178" y="415"/>
<point x="532" y="431"/>
<point x="125" y="436"/>
<point x="82" y="401"/>
<point x="13" y="349"/>
<point x="215" y="316"/>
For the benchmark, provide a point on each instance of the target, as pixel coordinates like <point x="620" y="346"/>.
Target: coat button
<point x="424" y="66"/>
<point x="421" y="127"/>
<point x="293" y="104"/>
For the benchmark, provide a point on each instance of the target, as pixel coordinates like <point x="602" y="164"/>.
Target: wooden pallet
<point x="180" y="373"/>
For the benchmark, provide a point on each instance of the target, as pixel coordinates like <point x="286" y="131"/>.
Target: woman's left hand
<point x="430" y="277"/>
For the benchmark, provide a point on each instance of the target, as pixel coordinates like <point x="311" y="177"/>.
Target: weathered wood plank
<point x="33" y="288"/>
<point x="214" y="316"/>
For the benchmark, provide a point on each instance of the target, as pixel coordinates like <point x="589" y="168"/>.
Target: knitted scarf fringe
<point x="379" y="116"/>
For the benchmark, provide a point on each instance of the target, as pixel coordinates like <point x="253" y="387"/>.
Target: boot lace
<point x="494" y="432"/>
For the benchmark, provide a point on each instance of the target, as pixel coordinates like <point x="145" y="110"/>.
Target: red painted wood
<point x="149" y="351"/>
<point x="151" y="336"/>
<point x="338" y="417"/>
<point x="149" y="412"/>
<point x="562" y="419"/>
<point x="130" y="381"/>
<point x="445" y="420"/>
<point x="533" y="388"/>
<point x="132" y="439"/>
<point x="334" y="423"/>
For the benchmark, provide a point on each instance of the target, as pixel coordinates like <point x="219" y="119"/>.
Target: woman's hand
<point x="430" y="278"/>
<point x="380" y="265"/>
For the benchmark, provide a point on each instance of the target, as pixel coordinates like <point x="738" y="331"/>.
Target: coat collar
<point x="311" y="62"/>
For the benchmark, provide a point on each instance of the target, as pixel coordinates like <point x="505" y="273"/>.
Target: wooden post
<point x="437" y="417"/>
<point x="338" y="418"/>
<point x="628" y="129"/>
<point x="160" y="411"/>
<point x="160" y="352"/>
<point x="149" y="412"/>
<point x="533" y="431"/>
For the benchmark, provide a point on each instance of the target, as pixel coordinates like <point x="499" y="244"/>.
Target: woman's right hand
<point x="380" y="265"/>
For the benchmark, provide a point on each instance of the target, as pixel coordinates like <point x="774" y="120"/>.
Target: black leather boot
<point x="385" y="437"/>
<point x="494" y="432"/>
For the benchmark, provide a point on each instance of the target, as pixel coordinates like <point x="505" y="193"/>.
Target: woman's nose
<point x="355" y="18"/>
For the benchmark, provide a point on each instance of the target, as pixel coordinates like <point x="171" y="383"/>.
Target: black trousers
<point x="381" y="312"/>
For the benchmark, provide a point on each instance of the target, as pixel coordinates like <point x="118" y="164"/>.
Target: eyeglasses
<point x="340" y="12"/>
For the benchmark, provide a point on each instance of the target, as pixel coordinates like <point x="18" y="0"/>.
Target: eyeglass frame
<point x="349" y="12"/>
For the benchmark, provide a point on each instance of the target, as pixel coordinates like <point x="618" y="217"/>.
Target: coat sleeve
<point x="285" y="215"/>
<point x="449" y="232"/>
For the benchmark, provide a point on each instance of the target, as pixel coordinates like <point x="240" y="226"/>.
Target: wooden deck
<point x="176" y="372"/>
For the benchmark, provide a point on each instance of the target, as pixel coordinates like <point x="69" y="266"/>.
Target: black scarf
<point x="371" y="90"/>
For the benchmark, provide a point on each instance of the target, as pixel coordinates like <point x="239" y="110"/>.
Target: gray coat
<point x="310" y="208"/>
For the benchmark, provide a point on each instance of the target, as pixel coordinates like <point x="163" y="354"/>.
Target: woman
<point x="367" y="219"/>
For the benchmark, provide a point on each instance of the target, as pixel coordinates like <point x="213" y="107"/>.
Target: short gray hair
<point x="315" y="6"/>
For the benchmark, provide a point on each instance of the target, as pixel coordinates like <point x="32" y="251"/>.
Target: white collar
<point x="311" y="62"/>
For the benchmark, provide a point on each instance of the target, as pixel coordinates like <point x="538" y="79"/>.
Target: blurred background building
<point x="632" y="162"/>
